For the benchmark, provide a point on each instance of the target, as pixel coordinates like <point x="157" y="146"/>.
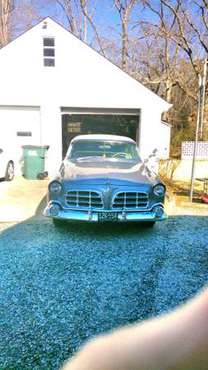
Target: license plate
<point x="107" y="216"/>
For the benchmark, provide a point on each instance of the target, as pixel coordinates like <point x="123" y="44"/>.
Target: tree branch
<point x="90" y="20"/>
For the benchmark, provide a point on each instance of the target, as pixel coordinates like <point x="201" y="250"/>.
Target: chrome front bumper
<point x="93" y="216"/>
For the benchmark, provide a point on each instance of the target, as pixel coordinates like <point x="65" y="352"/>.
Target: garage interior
<point x="88" y="121"/>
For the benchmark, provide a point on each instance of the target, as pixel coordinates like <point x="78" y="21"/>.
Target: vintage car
<point x="103" y="178"/>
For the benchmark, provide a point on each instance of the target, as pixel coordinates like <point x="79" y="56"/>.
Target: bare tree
<point x="24" y="16"/>
<point x="162" y="35"/>
<point x="191" y="27"/>
<point x="72" y="14"/>
<point x="89" y="18"/>
<point x="80" y="17"/>
<point x="165" y="58"/>
<point x="124" y="8"/>
<point x="6" y="7"/>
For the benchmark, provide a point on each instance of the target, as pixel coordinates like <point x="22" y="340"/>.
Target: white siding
<point x="149" y="128"/>
<point x="164" y="140"/>
<point x="19" y="119"/>
<point x="52" y="136"/>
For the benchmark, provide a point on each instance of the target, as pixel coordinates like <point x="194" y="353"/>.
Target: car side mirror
<point x="1" y="150"/>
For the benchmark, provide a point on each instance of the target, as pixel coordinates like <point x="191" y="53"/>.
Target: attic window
<point x="49" y="52"/>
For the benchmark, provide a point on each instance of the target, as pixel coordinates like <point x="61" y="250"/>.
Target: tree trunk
<point x="124" y="47"/>
<point x="5" y="18"/>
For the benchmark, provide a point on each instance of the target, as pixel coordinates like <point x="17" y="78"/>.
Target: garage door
<point x="121" y="122"/>
<point x="19" y="126"/>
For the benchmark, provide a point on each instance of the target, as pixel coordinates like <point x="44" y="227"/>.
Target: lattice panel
<point x="187" y="150"/>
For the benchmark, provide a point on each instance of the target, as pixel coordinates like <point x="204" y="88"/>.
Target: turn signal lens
<point x="54" y="210"/>
<point x="159" y="211"/>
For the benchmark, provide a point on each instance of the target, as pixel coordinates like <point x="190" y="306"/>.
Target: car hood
<point x="105" y="171"/>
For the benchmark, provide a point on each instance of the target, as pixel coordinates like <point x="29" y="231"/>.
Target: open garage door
<point x="113" y="122"/>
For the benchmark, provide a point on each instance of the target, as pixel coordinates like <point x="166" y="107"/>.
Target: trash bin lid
<point x="35" y="147"/>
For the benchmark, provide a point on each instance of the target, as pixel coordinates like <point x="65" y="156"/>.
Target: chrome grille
<point x="129" y="200"/>
<point x="84" y="199"/>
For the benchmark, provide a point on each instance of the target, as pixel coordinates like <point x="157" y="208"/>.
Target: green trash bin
<point x="34" y="160"/>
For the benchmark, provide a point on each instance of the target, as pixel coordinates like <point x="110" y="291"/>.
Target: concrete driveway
<point x="21" y="199"/>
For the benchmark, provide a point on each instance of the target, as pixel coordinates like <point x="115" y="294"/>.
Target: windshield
<point x="104" y="149"/>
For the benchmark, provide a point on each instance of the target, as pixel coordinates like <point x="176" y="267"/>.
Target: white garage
<point x="61" y="87"/>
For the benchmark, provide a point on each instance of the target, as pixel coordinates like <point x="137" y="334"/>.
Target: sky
<point x="106" y="17"/>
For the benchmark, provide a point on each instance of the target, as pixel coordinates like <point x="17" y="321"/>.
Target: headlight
<point x="55" y="187"/>
<point x="159" y="190"/>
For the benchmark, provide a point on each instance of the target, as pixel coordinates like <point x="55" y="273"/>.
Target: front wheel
<point x="9" y="175"/>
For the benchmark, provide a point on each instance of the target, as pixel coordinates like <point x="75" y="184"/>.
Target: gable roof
<point x="110" y="61"/>
<point x="136" y="83"/>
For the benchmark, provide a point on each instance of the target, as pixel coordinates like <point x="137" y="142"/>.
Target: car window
<point x="104" y="149"/>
